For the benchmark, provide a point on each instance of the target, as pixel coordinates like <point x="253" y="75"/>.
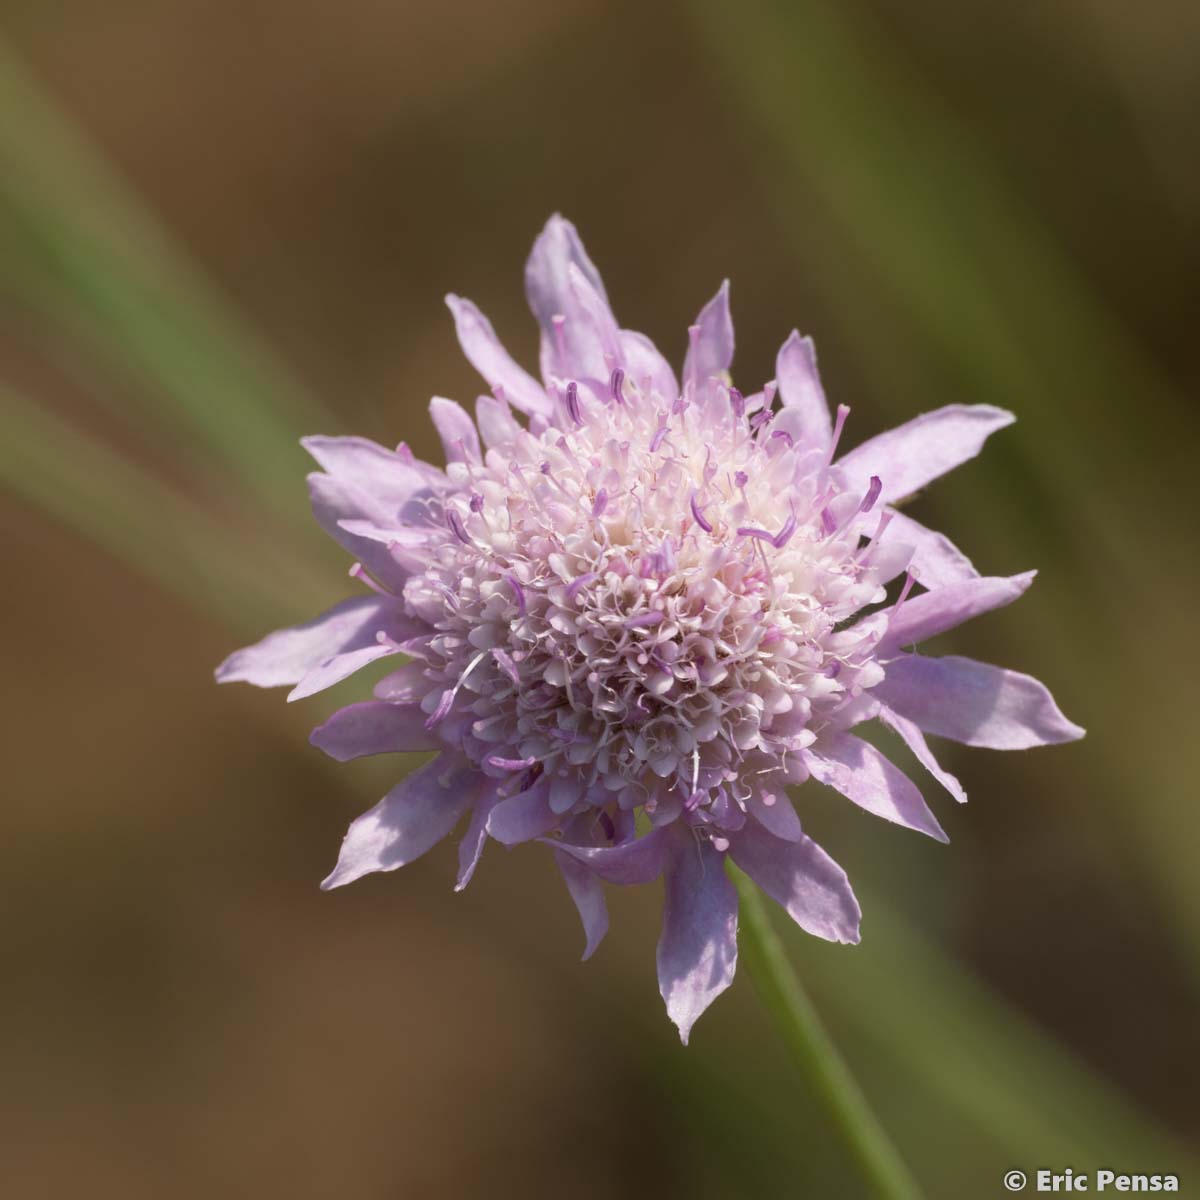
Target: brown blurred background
<point x="961" y="202"/>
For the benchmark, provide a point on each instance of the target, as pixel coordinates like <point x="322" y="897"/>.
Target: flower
<point x="637" y="617"/>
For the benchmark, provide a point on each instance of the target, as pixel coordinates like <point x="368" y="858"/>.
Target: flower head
<point x="633" y="619"/>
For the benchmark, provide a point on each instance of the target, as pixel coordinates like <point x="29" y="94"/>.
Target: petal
<point x="335" y="500"/>
<point x="338" y="667"/>
<point x="574" y="351"/>
<point x="936" y="561"/>
<point x="915" y="741"/>
<point x="594" y="308"/>
<point x="484" y="352"/>
<point x="865" y="776"/>
<point x="471" y="846"/>
<point x="633" y="862"/>
<point x="916" y="453"/>
<point x="697" y="950"/>
<point x="800" y="387"/>
<point x="775" y="813"/>
<point x="460" y="440"/>
<point x="415" y="815"/>
<point x="588" y="894"/>
<point x="975" y="703"/>
<point x="945" y="608"/>
<point x="285" y="656"/>
<point x="646" y="367"/>
<point x="497" y="425"/>
<point x="389" y="476"/>
<point x="800" y="876"/>
<point x="373" y="727"/>
<point x="710" y="350"/>
<point x="523" y="817"/>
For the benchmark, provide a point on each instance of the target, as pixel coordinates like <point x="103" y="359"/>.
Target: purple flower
<point x="629" y="621"/>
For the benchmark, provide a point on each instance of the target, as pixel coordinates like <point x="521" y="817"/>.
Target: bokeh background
<point x="225" y="223"/>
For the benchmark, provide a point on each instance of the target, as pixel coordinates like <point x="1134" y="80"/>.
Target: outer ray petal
<point x="414" y="816"/>
<point x="574" y="351"/>
<point x="975" y="703"/>
<point x="523" y="817"/>
<point x="460" y="439"/>
<point x="800" y="387"/>
<point x="800" y="876"/>
<point x="285" y="656"/>
<point x="588" y="894"/>
<point x="946" y="608"/>
<point x="915" y="741"/>
<point x="484" y="351"/>
<point x="936" y="561"/>
<point x="710" y="349"/>
<point x="865" y="776"/>
<point x="697" y="951"/>
<point x="910" y="456"/>
<point x="373" y="727"/>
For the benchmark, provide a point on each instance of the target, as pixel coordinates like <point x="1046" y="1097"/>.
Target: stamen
<point x="358" y="571"/>
<point x="843" y="411"/>
<point x="657" y="440"/>
<point x="616" y="385"/>
<point x="518" y="592"/>
<point x="872" y="494"/>
<point x="782" y="537"/>
<point x="456" y="526"/>
<point x="698" y="514"/>
<point x="738" y="401"/>
<point x="573" y="403"/>
<point x="509" y="764"/>
<point x="751" y="532"/>
<point x="447" y="700"/>
<point x="643" y="620"/>
<point x="577" y="585"/>
<point x="505" y="662"/>
<point x="476" y="502"/>
<point x="601" y="501"/>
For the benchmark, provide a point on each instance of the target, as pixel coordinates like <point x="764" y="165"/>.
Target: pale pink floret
<point x="633" y="617"/>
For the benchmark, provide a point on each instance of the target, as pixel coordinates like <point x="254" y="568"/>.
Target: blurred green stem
<point x="813" y="1051"/>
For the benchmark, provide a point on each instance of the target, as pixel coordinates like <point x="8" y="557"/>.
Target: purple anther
<point x="833" y="670"/>
<point x="761" y="534"/>
<point x="783" y="433"/>
<point x="642" y="620"/>
<point x="738" y="401"/>
<point x="616" y="385"/>
<point x="443" y="707"/>
<point x="518" y="592"/>
<point x="456" y="526"/>
<point x="699" y="515"/>
<point x="476" y="502"/>
<point x="509" y="764"/>
<point x="741" y="479"/>
<point x="784" y="535"/>
<point x="657" y="440"/>
<point x="573" y="403"/>
<point x="872" y="494"/>
<point x="544" y="466"/>
<point x="600" y="503"/>
<point x="505" y="662"/>
<point x="761" y="417"/>
<point x="577" y="585"/>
